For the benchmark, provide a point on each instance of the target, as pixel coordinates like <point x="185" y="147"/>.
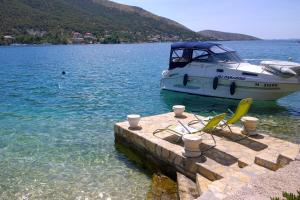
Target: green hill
<point x="37" y="21"/>
<point x="218" y="35"/>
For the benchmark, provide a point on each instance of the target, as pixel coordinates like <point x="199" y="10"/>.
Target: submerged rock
<point x="163" y="188"/>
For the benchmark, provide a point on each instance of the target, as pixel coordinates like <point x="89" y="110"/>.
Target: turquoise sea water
<point x="56" y="132"/>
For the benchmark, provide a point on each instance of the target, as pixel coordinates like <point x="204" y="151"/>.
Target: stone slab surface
<point x="186" y="188"/>
<point x="234" y="161"/>
<point x="202" y="184"/>
<point x="271" y="184"/>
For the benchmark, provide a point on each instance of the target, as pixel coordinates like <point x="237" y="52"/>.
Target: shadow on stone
<point x="252" y="144"/>
<point x="199" y="159"/>
<point x="181" y="117"/>
<point x="257" y="136"/>
<point x="215" y="154"/>
<point x="243" y="140"/>
<point x="135" y="128"/>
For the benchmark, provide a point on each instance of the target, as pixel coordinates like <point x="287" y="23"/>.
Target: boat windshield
<point x="225" y="54"/>
<point x="227" y="57"/>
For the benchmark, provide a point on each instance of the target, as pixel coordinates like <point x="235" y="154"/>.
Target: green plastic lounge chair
<point x="181" y="129"/>
<point x="240" y="112"/>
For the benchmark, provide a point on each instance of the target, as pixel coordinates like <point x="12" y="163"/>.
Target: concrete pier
<point x="220" y="171"/>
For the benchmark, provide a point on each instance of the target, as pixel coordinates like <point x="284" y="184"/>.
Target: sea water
<point x="56" y="131"/>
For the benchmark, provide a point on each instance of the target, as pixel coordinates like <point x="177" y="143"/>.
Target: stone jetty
<point x="221" y="171"/>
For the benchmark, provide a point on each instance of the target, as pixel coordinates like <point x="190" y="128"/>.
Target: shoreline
<point x="161" y="42"/>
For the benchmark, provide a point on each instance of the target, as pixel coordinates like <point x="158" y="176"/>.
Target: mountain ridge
<point x="104" y="21"/>
<point x="103" y="18"/>
<point x="220" y="35"/>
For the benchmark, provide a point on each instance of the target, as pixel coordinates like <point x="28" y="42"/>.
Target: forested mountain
<point x="218" y="35"/>
<point x="36" y="21"/>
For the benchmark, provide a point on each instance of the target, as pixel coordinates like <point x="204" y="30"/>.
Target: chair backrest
<point x="241" y="110"/>
<point x="212" y="123"/>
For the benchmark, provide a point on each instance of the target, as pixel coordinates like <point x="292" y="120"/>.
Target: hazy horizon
<point x="263" y="19"/>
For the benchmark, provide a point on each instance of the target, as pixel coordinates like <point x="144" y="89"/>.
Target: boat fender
<point x="215" y="83"/>
<point x="232" y="88"/>
<point x="185" y="79"/>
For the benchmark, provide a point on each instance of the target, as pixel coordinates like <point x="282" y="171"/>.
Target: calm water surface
<point x="56" y="132"/>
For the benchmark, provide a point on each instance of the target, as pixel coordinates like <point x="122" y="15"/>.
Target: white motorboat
<point x="212" y="69"/>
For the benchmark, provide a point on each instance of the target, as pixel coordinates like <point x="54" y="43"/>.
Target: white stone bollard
<point x="133" y="120"/>
<point x="192" y="145"/>
<point x="178" y="110"/>
<point x="249" y="125"/>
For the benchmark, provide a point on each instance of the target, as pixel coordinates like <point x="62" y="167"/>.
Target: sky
<point x="266" y="19"/>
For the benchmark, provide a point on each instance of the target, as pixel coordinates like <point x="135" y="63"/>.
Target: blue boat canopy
<point x="183" y="53"/>
<point x="194" y="45"/>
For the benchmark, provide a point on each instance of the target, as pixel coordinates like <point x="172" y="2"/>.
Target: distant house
<point x="89" y="38"/>
<point x="37" y="33"/>
<point x="155" y="38"/>
<point x="8" y="39"/>
<point x="77" y="38"/>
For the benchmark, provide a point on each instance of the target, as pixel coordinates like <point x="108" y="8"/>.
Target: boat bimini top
<point x="183" y="53"/>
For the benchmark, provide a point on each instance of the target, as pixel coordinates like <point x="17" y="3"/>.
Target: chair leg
<point x="197" y="120"/>
<point x="229" y="128"/>
<point x="160" y="130"/>
<point x="178" y="140"/>
<point x="212" y="135"/>
<point x="184" y="127"/>
<point x="163" y="129"/>
<point x="167" y="129"/>
<point x="193" y="122"/>
<point x="246" y="136"/>
<point x="215" y="143"/>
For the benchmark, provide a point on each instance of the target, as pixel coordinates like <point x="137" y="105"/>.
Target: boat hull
<point x="258" y="90"/>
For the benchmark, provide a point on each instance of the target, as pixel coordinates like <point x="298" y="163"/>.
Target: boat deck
<point x="221" y="170"/>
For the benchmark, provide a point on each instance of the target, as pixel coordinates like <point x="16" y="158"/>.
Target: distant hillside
<point x="218" y="35"/>
<point x="54" y="20"/>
